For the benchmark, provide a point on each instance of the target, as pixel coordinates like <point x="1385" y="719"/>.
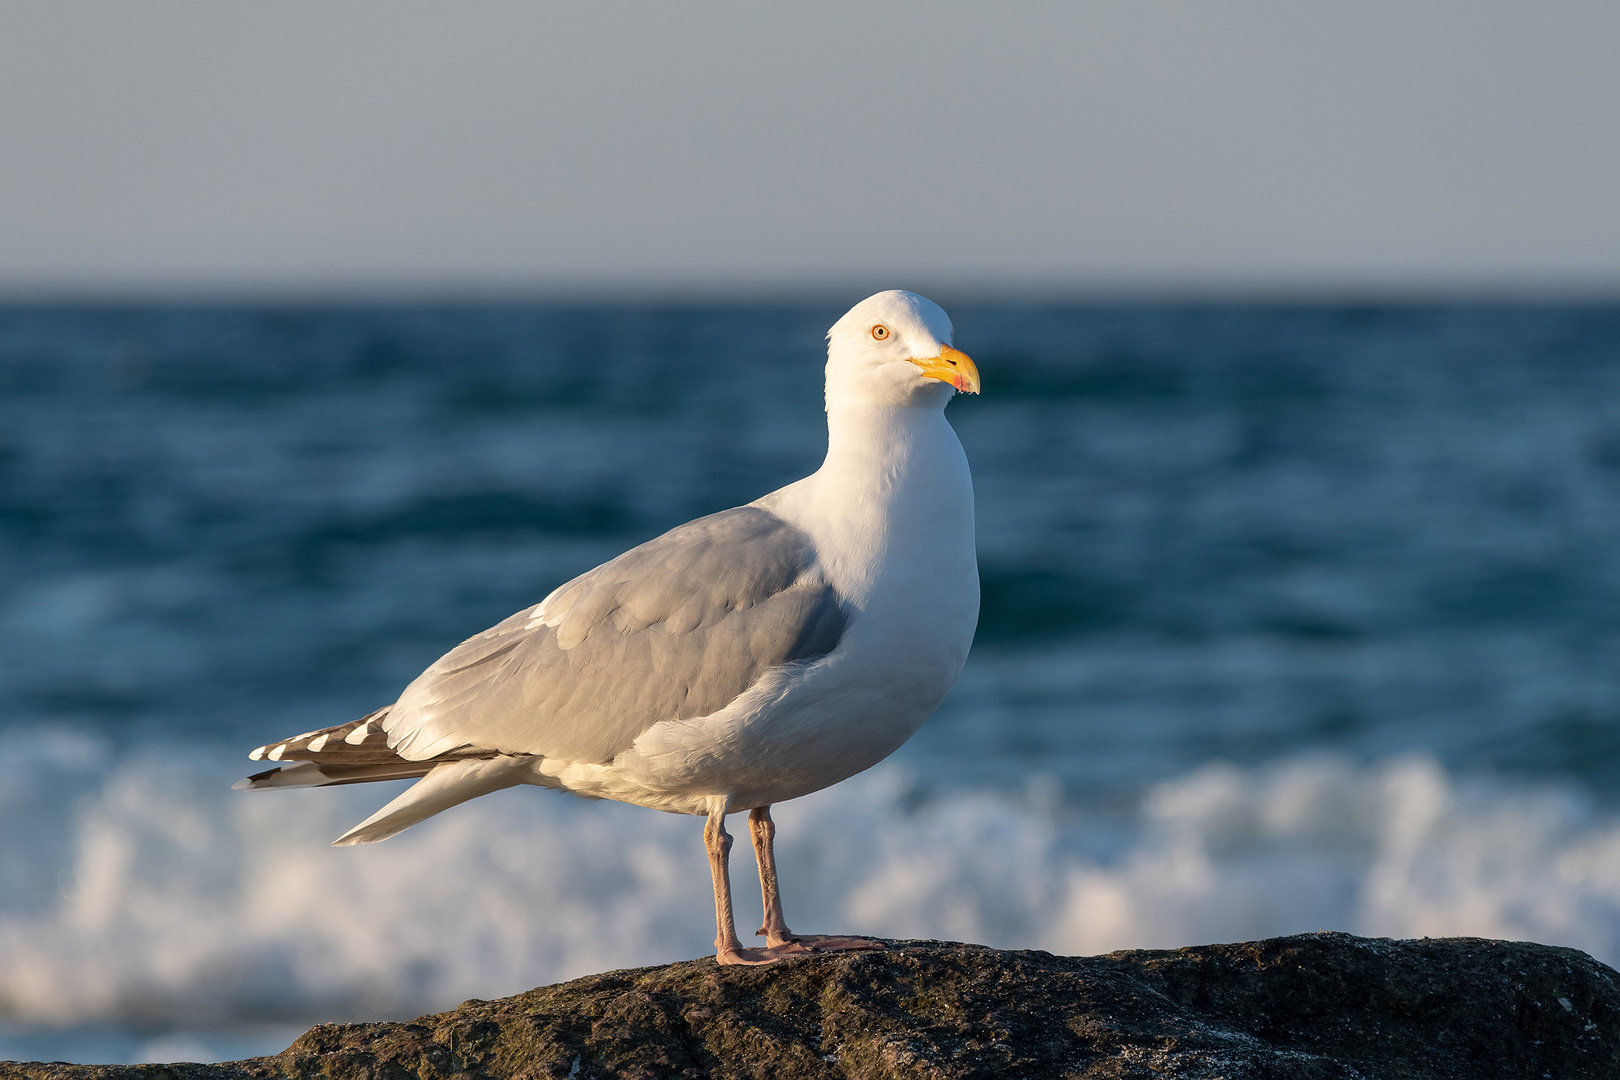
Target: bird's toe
<point x="802" y="944"/>
<point x="746" y="956"/>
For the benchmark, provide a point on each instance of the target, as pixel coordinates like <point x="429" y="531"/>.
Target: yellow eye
<point x="880" y="332"/>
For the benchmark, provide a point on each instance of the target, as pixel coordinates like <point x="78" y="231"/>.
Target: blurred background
<point x="332" y="334"/>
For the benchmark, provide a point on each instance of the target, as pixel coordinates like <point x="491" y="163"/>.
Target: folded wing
<point x="675" y="628"/>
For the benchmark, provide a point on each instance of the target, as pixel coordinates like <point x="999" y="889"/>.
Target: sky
<point x="391" y="147"/>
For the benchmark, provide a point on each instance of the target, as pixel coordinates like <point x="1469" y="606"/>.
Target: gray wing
<point x="673" y="629"/>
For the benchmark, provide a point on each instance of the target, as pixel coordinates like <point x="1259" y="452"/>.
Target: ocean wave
<point x="141" y="891"/>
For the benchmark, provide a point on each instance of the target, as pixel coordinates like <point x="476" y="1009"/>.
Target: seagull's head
<point x="895" y="349"/>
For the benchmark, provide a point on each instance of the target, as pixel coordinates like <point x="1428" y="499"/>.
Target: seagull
<point x="737" y="661"/>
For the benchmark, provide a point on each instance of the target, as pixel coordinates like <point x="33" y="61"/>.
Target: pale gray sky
<point x="378" y="145"/>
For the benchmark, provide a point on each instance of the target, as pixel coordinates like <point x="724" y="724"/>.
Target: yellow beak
<point x="952" y="366"/>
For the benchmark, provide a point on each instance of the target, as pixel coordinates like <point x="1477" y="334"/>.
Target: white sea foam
<point x="146" y="892"/>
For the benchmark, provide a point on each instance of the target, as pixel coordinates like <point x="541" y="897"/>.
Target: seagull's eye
<point x="880" y="332"/>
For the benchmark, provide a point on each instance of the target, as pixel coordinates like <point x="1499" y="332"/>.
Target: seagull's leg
<point x="762" y="830"/>
<point x="779" y="939"/>
<point x="727" y="949"/>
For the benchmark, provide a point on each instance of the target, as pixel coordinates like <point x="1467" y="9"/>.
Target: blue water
<point x="1293" y="617"/>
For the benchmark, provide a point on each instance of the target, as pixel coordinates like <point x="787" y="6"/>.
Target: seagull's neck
<point x="872" y="449"/>
<point x="893" y="493"/>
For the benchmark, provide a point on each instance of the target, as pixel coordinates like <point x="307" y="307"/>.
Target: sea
<point x="1295" y="617"/>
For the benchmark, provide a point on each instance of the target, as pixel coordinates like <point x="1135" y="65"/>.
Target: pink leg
<point x="779" y="939"/>
<point x="727" y="949"/>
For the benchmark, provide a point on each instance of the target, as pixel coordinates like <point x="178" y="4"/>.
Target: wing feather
<point x="675" y="628"/>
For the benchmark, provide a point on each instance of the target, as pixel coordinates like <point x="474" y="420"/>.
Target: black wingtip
<point x="252" y="781"/>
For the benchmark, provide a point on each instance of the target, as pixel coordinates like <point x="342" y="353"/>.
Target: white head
<point x="895" y="349"/>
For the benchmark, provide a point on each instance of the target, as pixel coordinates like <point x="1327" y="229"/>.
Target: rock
<point x="1313" y="1006"/>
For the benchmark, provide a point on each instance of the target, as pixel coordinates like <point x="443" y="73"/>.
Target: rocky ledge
<point x="1316" y="1005"/>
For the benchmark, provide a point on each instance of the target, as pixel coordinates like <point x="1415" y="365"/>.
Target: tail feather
<point x="358" y="753"/>
<point x="450" y="783"/>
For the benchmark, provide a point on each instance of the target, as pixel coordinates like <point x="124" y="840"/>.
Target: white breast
<point x="893" y="529"/>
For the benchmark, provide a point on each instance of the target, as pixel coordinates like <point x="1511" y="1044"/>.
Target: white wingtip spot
<point x="315" y="746"/>
<point x="358" y="735"/>
<point x="275" y="755"/>
<point x="258" y="755"/>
